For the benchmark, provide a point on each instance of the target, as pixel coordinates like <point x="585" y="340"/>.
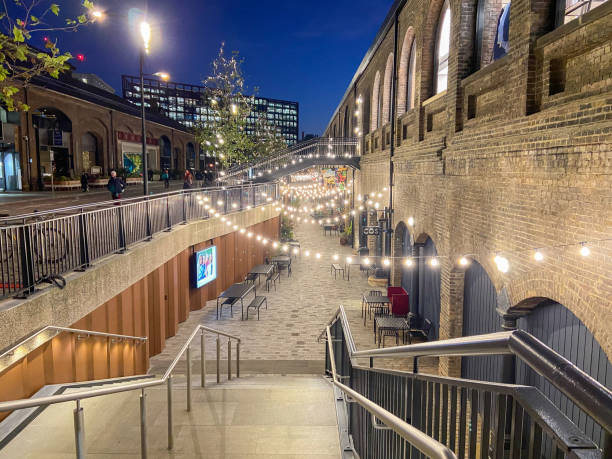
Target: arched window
<point x="568" y="10"/>
<point x="406" y="73"/>
<point x="387" y="93"/>
<point x="410" y="84"/>
<point x="442" y="49"/>
<point x="375" y="107"/>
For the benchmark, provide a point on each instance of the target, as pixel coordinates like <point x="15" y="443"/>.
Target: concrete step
<point x="266" y="416"/>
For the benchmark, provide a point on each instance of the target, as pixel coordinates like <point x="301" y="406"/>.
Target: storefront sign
<point x="371" y="230"/>
<point x="135" y="138"/>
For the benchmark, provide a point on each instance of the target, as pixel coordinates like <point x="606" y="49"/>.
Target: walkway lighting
<point x="538" y="256"/>
<point x="307" y="253"/>
<point x="502" y="263"/>
<point x="249" y="234"/>
<point x="584" y="250"/>
<point x="434" y="262"/>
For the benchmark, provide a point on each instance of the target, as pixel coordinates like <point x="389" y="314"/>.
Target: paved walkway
<point x="284" y="340"/>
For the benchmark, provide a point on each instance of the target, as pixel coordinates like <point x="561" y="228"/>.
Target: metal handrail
<point x="12" y="405"/>
<point x="590" y="395"/>
<point x="424" y="443"/>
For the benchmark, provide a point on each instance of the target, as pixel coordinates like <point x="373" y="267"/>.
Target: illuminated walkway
<point x="284" y="340"/>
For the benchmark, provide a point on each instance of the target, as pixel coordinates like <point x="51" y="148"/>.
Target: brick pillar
<point x="451" y="312"/>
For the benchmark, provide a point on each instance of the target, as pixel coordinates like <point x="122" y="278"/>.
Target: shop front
<point x="131" y="153"/>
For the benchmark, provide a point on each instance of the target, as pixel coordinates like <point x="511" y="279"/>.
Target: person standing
<point x="84" y="182"/>
<point x="166" y="178"/>
<point x="187" y="180"/>
<point x="115" y="185"/>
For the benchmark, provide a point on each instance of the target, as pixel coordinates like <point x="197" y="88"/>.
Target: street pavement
<point x="24" y="202"/>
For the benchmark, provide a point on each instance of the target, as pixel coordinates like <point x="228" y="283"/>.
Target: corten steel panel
<point x="97" y="320"/>
<point x="228" y="265"/>
<point x="62" y="362"/>
<point x="480" y="317"/>
<point x="82" y="359"/>
<point x="112" y="314"/>
<point x="184" y="284"/>
<point x="11" y="384"/>
<point x="126" y="312"/>
<point x="127" y="358"/>
<point x="99" y="355"/>
<point x="560" y="329"/>
<point x="172" y="292"/>
<point x="33" y="371"/>
<point x="115" y="359"/>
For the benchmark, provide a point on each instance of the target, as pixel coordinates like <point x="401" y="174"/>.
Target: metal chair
<point x="422" y="332"/>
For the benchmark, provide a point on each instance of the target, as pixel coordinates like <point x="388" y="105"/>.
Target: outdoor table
<point x="281" y="259"/>
<point x="389" y="324"/>
<point x="261" y="270"/>
<point x="295" y="245"/>
<point x="327" y="228"/>
<point x="375" y="301"/>
<point x="237" y="291"/>
<point x="348" y="267"/>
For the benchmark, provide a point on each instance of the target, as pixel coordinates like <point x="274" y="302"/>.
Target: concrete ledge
<point x="87" y="290"/>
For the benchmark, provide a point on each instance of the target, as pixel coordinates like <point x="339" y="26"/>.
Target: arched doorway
<point x="165" y="153"/>
<point x="410" y="272"/>
<point x="429" y="285"/>
<point x="53" y="137"/>
<point x="557" y="327"/>
<point x="480" y="316"/>
<point x="91" y="155"/>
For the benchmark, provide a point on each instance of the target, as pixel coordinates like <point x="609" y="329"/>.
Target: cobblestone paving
<point x="285" y="337"/>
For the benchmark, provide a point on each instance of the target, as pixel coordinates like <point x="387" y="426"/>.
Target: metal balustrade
<point x="474" y="419"/>
<point x="79" y="427"/>
<point x="318" y="148"/>
<point x="41" y="246"/>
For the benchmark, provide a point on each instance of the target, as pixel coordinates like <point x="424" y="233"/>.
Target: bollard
<point x="238" y="359"/>
<point x="218" y="360"/>
<point x="229" y="359"/>
<point x="79" y="431"/>
<point x="188" y="378"/>
<point x="170" y="432"/>
<point x="203" y="358"/>
<point x="143" y="425"/>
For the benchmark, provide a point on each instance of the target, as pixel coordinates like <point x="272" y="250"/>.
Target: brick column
<point x="451" y="312"/>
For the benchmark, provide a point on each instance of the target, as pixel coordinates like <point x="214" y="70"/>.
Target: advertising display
<point x="205" y="266"/>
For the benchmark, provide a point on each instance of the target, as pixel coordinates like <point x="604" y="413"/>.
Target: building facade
<point x="73" y="127"/>
<point x="491" y="124"/>
<point x="188" y="104"/>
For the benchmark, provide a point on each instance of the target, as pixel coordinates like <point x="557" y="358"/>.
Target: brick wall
<point x="513" y="157"/>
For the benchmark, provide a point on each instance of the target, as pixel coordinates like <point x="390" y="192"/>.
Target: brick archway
<point x="374" y="106"/>
<point x="386" y="102"/>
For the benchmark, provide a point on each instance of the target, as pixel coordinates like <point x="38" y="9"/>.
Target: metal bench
<point x="228" y="302"/>
<point x="335" y="267"/>
<point x="272" y="277"/>
<point x="257" y="302"/>
<point x="251" y="277"/>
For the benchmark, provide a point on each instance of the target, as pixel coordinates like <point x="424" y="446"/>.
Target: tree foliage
<point x="225" y="135"/>
<point x="20" y="21"/>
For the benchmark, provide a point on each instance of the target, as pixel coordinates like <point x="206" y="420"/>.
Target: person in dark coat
<point x="84" y="182"/>
<point x="187" y="180"/>
<point x="115" y="185"/>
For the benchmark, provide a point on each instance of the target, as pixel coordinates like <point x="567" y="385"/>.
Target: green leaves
<point x="82" y="19"/>
<point x="88" y="4"/>
<point x="54" y="9"/>
<point x="20" y="52"/>
<point x="18" y="34"/>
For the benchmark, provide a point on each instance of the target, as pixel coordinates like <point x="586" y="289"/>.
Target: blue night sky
<point x="301" y="51"/>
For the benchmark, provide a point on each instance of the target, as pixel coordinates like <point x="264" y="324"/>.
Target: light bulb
<point x="411" y="221"/>
<point x="366" y="261"/>
<point x="258" y="237"/>
<point x="434" y="262"/>
<point x="585" y="251"/>
<point x="242" y="230"/>
<point x="318" y="255"/>
<point x="307" y="253"/>
<point x="502" y="263"/>
<point x="349" y="260"/>
<point x="463" y="261"/>
<point x="408" y="262"/>
<point x="250" y="234"/>
<point x="538" y="256"/>
<point x="386" y="262"/>
<point x="335" y="257"/>
<point x="285" y="248"/>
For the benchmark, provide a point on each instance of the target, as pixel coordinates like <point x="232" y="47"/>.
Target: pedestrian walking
<point x="84" y="182"/>
<point x="166" y="178"/>
<point x="115" y="185"/>
<point x="187" y="180"/>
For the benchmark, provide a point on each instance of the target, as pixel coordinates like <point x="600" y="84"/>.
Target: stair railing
<point x="167" y="378"/>
<point x="467" y="415"/>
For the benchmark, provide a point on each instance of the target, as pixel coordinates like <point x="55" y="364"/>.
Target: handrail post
<point x="226" y="193"/>
<point x="229" y="359"/>
<point x="148" y="218"/>
<point x="84" y="241"/>
<point x="26" y="253"/>
<point x="218" y="359"/>
<point x="237" y="359"/>
<point x="168" y="219"/>
<point x="170" y="432"/>
<point x="122" y="245"/>
<point x="253" y="191"/>
<point x="188" y="358"/>
<point x="184" y="207"/>
<point x="203" y="358"/>
<point x="143" y="425"/>
<point x="79" y="431"/>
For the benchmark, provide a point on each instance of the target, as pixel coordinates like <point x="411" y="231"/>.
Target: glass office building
<point x="188" y="104"/>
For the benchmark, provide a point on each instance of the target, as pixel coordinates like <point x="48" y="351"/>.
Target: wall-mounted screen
<point x="205" y="266"/>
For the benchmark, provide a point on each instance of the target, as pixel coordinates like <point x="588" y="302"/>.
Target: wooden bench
<point x="335" y="267"/>
<point x="228" y="302"/>
<point x="257" y="302"/>
<point x="272" y="277"/>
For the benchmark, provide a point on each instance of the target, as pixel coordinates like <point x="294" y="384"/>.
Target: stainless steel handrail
<point x="166" y="378"/>
<point x="590" y="395"/>
<point x="424" y="443"/>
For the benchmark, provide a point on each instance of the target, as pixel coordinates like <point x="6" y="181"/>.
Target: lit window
<point x="443" y="48"/>
<point x="410" y="86"/>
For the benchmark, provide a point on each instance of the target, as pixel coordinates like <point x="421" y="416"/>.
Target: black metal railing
<point x="474" y="419"/>
<point x="42" y="246"/>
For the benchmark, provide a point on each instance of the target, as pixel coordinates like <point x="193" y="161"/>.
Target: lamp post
<point x="145" y="33"/>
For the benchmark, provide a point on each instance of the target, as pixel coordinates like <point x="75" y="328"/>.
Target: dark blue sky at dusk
<point x="301" y="51"/>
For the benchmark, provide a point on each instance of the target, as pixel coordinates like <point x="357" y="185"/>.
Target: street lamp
<point x="145" y="33"/>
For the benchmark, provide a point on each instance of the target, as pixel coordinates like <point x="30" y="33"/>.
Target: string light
<point x="434" y="262"/>
<point x="408" y="262"/>
<point x="538" y="256"/>
<point x="463" y="261"/>
<point x="584" y="250"/>
<point x="502" y="263"/>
